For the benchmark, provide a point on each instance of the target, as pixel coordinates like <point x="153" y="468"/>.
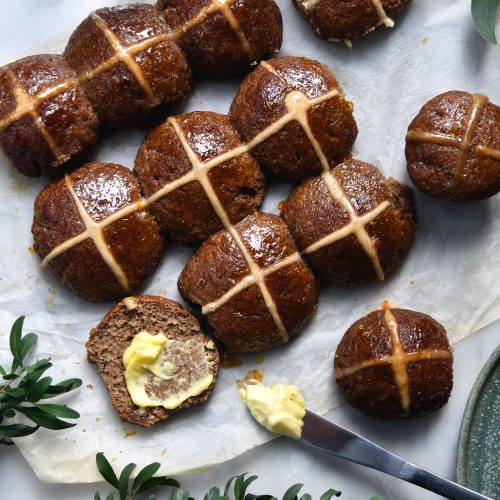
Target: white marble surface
<point x="430" y="441"/>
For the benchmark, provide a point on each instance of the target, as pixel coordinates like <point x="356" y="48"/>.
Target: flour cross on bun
<point x="413" y="346"/>
<point x="33" y="136"/>
<point x="455" y="176"/>
<point x="28" y="105"/>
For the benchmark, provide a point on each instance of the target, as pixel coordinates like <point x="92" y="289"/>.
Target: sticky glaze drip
<point x="203" y="179"/>
<point x="125" y="57"/>
<point x="97" y="236"/>
<point x="27" y="105"/>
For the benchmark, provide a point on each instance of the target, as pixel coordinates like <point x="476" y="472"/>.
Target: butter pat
<point x="165" y="372"/>
<point x="279" y="408"/>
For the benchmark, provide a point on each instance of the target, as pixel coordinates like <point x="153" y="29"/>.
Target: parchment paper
<point x="452" y="272"/>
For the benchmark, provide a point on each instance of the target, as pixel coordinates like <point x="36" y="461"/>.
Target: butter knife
<point x="341" y="442"/>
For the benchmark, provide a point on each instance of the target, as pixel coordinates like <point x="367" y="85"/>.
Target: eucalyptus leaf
<point x="44" y="419"/>
<point x="107" y="472"/>
<point x="292" y="492"/>
<point x="145" y="474"/>
<point x="484" y="14"/>
<point x="123" y="481"/>
<point x="58" y="410"/>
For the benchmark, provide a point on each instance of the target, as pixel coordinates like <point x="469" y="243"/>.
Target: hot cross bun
<point x="453" y="147"/>
<point x="343" y="20"/>
<point x="294" y="112"/>
<point x="395" y="363"/>
<point x="45" y="116"/>
<point x="353" y="225"/>
<point x="91" y="231"/>
<point x="252" y="284"/>
<point x="224" y="37"/>
<point x="127" y="62"/>
<point x="203" y="149"/>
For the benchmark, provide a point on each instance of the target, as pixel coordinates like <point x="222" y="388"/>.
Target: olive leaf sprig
<point x="484" y="14"/>
<point x="236" y="488"/>
<point x="23" y="387"/>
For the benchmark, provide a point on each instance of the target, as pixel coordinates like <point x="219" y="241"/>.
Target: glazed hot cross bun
<point x="344" y="20"/>
<point x="127" y="62"/>
<point x="293" y="112"/>
<point x="252" y="284"/>
<point x="92" y="232"/>
<point x="45" y="116"/>
<point x="224" y="37"/>
<point x="201" y="151"/>
<point x="395" y="363"/>
<point x="453" y="147"/>
<point x="353" y="225"/>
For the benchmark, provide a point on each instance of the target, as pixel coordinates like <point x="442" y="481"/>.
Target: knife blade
<point x="343" y="443"/>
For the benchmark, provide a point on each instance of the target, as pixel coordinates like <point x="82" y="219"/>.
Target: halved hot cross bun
<point x="45" y="116"/>
<point x="293" y="113"/>
<point x="395" y="363"/>
<point x="92" y="232"/>
<point x="353" y="225"/>
<point x="224" y="37"/>
<point x="453" y="147"/>
<point x="343" y="20"/>
<point x="252" y="284"/>
<point x="198" y="165"/>
<point x="127" y="62"/>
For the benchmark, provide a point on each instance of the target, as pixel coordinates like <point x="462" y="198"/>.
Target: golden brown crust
<point x="260" y="102"/>
<point x="311" y="214"/>
<point x="110" y="338"/>
<point x="135" y="242"/>
<point x="337" y="20"/>
<point x="120" y="94"/>
<point x="61" y="124"/>
<point x="434" y="167"/>
<point x="244" y="323"/>
<point x="214" y="47"/>
<point x="186" y="213"/>
<point x="374" y="389"/>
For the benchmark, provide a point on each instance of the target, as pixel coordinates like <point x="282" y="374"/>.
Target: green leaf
<point x="241" y="485"/>
<point x="157" y="481"/>
<point x="97" y="496"/>
<point x="15" y="343"/>
<point x="107" y="472"/>
<point x="484" y="14"/>
<point x="16" y="430"/>
<point x="27" y="342"/>
<point x="152" y="497"/>
<point x="62" y="387"/>
<point x="306" y="496"/>
<point x="228" y="485"/>
<point x="38" y="390"/>
<point x="44" y="419"/>
<point x="9" y="413"/>
<point x="123" y="481"/>
<point x="36" y="370"/>
<point x="179" y="494"/>
<point x="59" y="410"/>
<point x="2" y="371"/>
<point x="292" y="492"/>
<point x="10" y="376"/>
<point x="17" y="392"/>
<point x="147" y="473"/>
<point x="110" y="496"/>
<point x="329" y="494"/>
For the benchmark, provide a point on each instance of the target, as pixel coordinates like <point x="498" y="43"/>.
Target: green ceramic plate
<point x="478" y="453"/>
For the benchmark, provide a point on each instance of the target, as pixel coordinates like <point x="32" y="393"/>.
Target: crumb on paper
<point x="90" y="386"/>
<point x="31" y="249"/>
<point x="128" y="433"/>
<point x="52" y="290"/>
<point x="411" y="281"/>
<point x="84" y="430"/>
<point x="425" y="40"/>
<point x="259" y="359"/>
<point x="231" y="362"/>
<point x="280" y="204"/>
<point x="114" y="459"/>
<point x="162" y="454"/>
<point x="162" y="292"/>
<point x="98" y="419"/>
